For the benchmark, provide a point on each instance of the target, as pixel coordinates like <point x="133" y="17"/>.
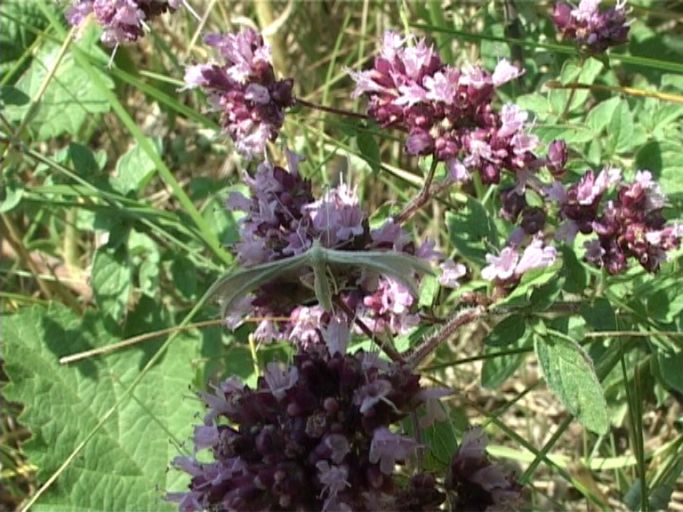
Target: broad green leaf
<point x="111" y="279"/>
<point x="69" y="98"/>
<point x="145" y="255"/>
<point x="570" y="375"/>
<point x="184" y="275"/>
<point x="572" y="134"/>
<point x="134" y="168"/>
<point x="536" y="103"/>
<point x="506" y="332"/>
<point x="472" y="231"/>
<point x="124" y="466"/>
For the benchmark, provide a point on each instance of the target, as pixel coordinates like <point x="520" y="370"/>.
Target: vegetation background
<point x="112" y="225"/>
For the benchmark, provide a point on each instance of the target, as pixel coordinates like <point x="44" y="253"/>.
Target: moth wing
<point x="239" y="282"/>
<point x="398" y="265"/>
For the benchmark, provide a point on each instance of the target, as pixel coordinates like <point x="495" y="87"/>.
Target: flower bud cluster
<point x="312" y="436"/>
<point x="123" y="21"/>
<point x="478" y="484"/>
<point x="630" y="225"/>
<point x="244" y="89"/>
<point x="592" y="28"/>
<point x="447" y="111"/>
<point x="283" y="219"/>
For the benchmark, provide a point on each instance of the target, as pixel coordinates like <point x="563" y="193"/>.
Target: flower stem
<point x="433" y="341"/>
<point x="390" y="351"/>
<point x="330" y="110"/>
<point x="422" y="198"/>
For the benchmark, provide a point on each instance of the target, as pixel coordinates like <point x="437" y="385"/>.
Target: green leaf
<point x="112" y="281"/>
<point x="184" y="276"/>
<point x="600" y="115"/>
<point x="11" y="192"/>
<point x="16" y="36"/>
<point x="124" y="465"/>
<point x="531" y="280"/>
<point x="472" y="231"/>
<point x="575" y="275"/>
<point x="369" y="150"/>
<point x="670" y="364"/>
<point x="600" y="315"/>
<point x="620" y="130"/>
<point x="508" y="331"/>
<point x="69" y="98"/>
<point x="134" y="168"/>
<point x="570" y="375"/>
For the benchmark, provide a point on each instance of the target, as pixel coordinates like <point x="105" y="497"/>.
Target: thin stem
<point x="433" y="341"/>
<point x="631" y="91"/>
<point x="330" y="110"/>
<point x="156" y="334"/>
<point x="421" y="199"/>
<point x="390" y="351"/>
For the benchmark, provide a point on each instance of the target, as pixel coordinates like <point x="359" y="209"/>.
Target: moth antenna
<point x="192" y="11"/>
<point x="110" y="63"/>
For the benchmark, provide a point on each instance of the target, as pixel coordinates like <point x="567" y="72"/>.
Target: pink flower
<point x="387" y="448"/>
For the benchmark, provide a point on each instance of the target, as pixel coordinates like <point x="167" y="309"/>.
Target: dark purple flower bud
<point x="533" y="220"/>
<point x="327" y="456"/>
<point x="476" y="484"/>
<point x="513" y="202"/>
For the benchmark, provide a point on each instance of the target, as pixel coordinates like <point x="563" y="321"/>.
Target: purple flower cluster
<point x="476" y="483"/>
<point x="123" y="21"/>
<point x="282" y="219"/>
<point x="631" y="225"/>
<point x="591" y="28"/>
<point x="244" y="89"/>
<point x="448" y="112"/>
<point x="311" y="436"/>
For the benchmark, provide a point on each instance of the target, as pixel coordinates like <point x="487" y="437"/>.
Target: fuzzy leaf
<point x="570" y="375"/>
<point x="124" y="465"/>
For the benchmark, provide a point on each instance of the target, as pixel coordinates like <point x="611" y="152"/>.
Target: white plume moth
<point x="237" y="283"/>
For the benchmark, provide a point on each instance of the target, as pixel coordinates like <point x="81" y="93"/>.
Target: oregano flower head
<point x="590" y="27"/>
<point x="123" y="21"/>
<point x="448" y="111"/>
<point x="315" y="435"/>
<point x="629" y="226"/>
<point x="244" y="89"/>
